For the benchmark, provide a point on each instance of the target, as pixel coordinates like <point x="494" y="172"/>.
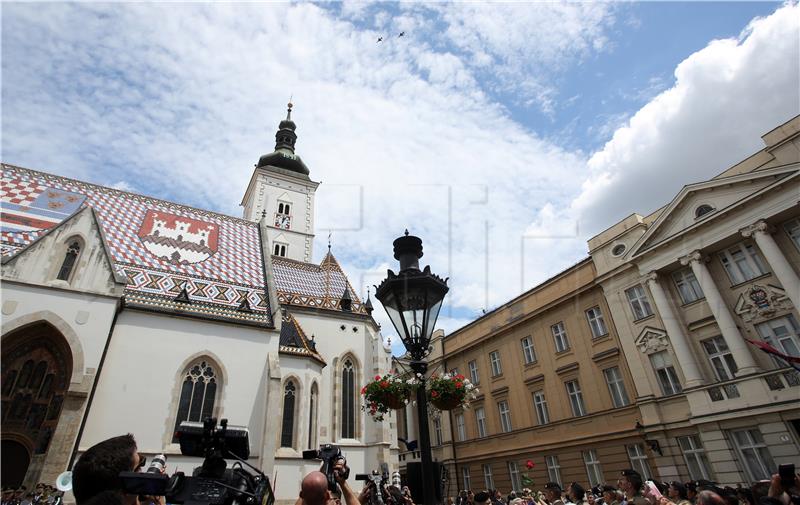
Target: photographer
<point x="99" y="467"/>
<point x="314" y="487"/>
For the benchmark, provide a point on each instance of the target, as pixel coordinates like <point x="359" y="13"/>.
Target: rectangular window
<point x="513" y="473"/>
<point x="461" y="428"/>
<point x="721" y="358"/>
<point x="494" y="359"/>
<point x="639" y="461"/>
<point x="437" y="431"/>
<point x="488" y="481"/>
<point x="505" y="416"/>
<point x="527" y="350"/>
<point x="593" y="470"/>
<point x="742" y="262"/>
<point x="667" y="378"/>
<point x="687" y="285"/>
<point x="473" y="373"/>
<point x="540" y="404"/>
<point x="640" y="305"/>
<point x="480" y="418"/>
<point x="695" y="457"/>
<point x="616" y="386"/>
<point x="793" y="230"/>
<point x="782" y="333"/>
<point x="596" y="322"/>
<point x="553" y="469"/>
<point x="575" y="398"/>
<point x="560" y="336"/>
<point x="754" y="454"/>
<point x="465" y="477"/>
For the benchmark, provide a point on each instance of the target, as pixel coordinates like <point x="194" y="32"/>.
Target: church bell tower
<point x="281" y="189"/>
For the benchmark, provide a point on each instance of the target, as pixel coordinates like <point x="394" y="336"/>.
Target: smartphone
<point x="787" y="475"/>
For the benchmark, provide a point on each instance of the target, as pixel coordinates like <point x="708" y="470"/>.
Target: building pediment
<point x="703" y="202"/>
<point x="761" y="302"/>
<point x="652" y="340"/>
<point x="40" y="261"/>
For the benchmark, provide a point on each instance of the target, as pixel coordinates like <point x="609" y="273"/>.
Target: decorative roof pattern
<point x="160" y="246"/>
<point x="309" y="285"/>
<point x="293" y="339"/>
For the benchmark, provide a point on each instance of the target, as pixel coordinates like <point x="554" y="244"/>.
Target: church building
<point x="124" y="313"/>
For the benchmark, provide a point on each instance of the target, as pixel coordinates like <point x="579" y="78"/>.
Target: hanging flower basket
<point x="446" y="391"/>
<point x="389" y="392"/>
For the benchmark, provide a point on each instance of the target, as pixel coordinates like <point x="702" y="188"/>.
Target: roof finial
<point x="406" y="232"/>
<point x="289" y="109"/>
<point x="329" y="241"/>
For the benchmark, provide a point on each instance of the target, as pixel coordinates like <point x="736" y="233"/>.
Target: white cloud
<point x="724" y="97"/>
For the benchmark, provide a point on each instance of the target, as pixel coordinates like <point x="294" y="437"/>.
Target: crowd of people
<point x="42" y="494"/>
<point x="96" y="480"/>
<point x="631" y="489"/>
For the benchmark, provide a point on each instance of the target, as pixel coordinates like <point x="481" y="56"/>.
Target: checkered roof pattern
<point x="236" y="264"/>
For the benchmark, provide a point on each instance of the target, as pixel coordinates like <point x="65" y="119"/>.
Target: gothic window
<point x="284" y="208"/>
<point x="69" y="261"/>
<point x="198" y="394"/>
<point x="287" y="426"/>
<point x="348" y="417"/>
<point x="280" y="250"/>
<point x="313" y="406"/>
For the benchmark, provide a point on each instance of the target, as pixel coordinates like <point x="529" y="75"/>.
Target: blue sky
<point x="505" y="134"/>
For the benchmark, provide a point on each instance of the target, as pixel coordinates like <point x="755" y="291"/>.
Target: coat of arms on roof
<point x="29" y="206"/>
<point x="177" y="239"/>
<point x="761" y="301"/>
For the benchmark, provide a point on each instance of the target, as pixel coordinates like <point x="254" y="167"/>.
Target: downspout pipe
<point x="120" y="306"/>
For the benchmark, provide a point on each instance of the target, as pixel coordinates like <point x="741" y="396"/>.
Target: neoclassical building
<point x="688" y="286"/>
<point x="124" y="313"/>
<point x="638" y="355"/>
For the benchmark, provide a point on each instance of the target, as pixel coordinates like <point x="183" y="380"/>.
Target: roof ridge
<point x="121" y="191"/>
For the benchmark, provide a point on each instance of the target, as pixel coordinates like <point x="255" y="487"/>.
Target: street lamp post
<point x="412" y="299"/>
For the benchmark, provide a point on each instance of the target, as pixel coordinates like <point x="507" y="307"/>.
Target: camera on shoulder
<point x="212" y="483"/>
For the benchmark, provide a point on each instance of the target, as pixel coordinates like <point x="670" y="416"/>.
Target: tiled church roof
<point x="294" y="340"/>
<point x="161" y="247"/>
<point x="309" y="285"/>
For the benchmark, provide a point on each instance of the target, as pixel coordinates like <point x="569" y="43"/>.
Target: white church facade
<point x="122" y="313"/>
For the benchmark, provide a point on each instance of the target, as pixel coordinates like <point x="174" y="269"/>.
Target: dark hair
<point x="106" y="498"/>
<point x="635" y="479"/>
<point x="680" y="488"/>
<point x="577" y="490"/>
<point x="709" y="498"/>
<point x="480" y="497"/>
<point x="98" y="468"/>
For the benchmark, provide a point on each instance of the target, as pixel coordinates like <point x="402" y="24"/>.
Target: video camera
<point x="378" y="482"/>
<point x="212" y="483"/>
<point x="329" y="454"/>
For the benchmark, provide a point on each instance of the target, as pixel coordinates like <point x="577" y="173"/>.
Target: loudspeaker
<point x="414" y="481"/>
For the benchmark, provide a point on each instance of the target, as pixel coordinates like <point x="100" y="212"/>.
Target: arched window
<point x="287" y="427"/>
<point x="69" y="261"/>
<point x="348" y="400"/>
<point x="198" y="394"/>
<point x="703" y="210"/>
<point x="313" y="405"/>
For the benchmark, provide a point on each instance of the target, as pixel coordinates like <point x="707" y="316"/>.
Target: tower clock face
<point x="282" y="221"/>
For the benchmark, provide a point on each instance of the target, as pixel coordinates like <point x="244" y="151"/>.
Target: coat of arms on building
<point x="652" y="340"/>
<point x="179" y="240"/>
<point x="761" y="301"/>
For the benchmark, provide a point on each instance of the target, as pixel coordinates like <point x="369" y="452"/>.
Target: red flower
<point x="384" y="384"/>
<point x="377" y="377"/>
<point x="434" y="394"/>
<point x="529" y="464"/>
<point x="373" y="405"/>
<point x="363" y="390"/>
<point x="459" y="385"/>
<point x="460" y="377"/>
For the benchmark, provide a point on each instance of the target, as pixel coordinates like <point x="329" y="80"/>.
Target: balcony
<point x="766" y="390"/>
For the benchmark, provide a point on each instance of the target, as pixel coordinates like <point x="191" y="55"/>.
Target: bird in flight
<point x="401" y="34"/>
<point x="380" y="39"/>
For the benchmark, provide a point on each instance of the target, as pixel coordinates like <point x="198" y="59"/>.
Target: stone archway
<point x="37" y="368"/>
